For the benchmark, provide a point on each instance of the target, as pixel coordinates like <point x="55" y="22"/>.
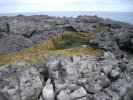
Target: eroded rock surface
<point x="20" y="81"/>
<point x="85" y="78"/>
<point x="82" y="77"/>
<point x="39" y="27"/>
<point x="13" y="43"/>
<point x="115" y="41"/>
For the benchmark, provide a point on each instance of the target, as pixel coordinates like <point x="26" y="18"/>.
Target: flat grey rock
<point x="13" y="43"/>
<point x="20" y="81"/>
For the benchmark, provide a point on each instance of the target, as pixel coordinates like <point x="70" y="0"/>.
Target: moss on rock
<point x="66" y="43"/>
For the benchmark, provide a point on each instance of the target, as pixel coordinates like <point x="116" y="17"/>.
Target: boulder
<point x="81" y="27"/>
<point x="114" y="41"/>
<point x="21" y="26"/>
<point x="128" y="95"/>
<point x="80" y="71"/>
<point x="13" y="43"/>
<point x="107" y="69"/>
<point x="20" y="81"/>
<point x="125" y="40"/>
<point x="121" y="86"/>
<point x="101" y="96"/>
<point x="48" y="92"/>
<point x="93" y="88"/>
<point x="82" y="98"/>
<point x="115" y="73"/>
<point x="99" y="84"/>
<point x="41" y="98"/>
<point x="3" y="35"/>
<point x="105" y="41"/>
<point x="63" y="95"/>
<point x="113" y="95"/>
<point x="110" y="23"/>
<point x="129" y="67"/>
<point x="89" y="19"/>
<point x="78" y="93"/>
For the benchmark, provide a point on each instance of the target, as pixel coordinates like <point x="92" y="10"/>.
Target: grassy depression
<point x="66" y="43"/>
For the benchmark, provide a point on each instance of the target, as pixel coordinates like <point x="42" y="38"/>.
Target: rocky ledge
<point x="81" y="77"/>
<point x="21" y="32"/>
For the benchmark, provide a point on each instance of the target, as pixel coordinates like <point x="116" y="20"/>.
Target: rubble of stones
<point x="81" y="77"/>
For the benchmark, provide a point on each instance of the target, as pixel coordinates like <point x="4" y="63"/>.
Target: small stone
<point x="107" y="69"/>
<point x="121" y="86"/>
<point x="115" y="73"/>
<point x="41" y="98"/>
<point x="75" y="59"/>
<point x="106" y="54"/>
<point x="63" y="95"/>
<point x="72" y="87"/>
<point x="78" y="93"/>
<point x="101" y="96"/>
<point x="113" y="95"/>
<point x="109" y="55"/>
<point x="102" y="74"/>
<point x="93" y="88"/>
<point x="59" y="87"/>
<point x="48" y="81"/>
<point x="84" y="46"/>
<point x="82" y="98"/>
<point x="48" y="92"/>
<point x="129" y="67"/>
<point x="82" y="81"/>
<point x="52" y="65"/>
<point x="103" y="81"/>
<point x="89" y="97"/>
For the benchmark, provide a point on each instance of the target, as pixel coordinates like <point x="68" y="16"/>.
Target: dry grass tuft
<point x="40" y="52"/>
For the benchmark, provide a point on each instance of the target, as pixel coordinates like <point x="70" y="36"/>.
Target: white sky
<point x="11" y="6"/>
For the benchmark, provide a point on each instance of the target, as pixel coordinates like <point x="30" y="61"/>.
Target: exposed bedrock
<point x="115" y="41"/>
<point x="13" y="43"/>
<point x="39" y="27"/>
<point x="88" y="78"/>
<point x="20" y="81"/>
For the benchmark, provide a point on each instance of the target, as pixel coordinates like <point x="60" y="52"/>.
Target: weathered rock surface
<point x="48" y="92"/>
<point x="82" y="77"/>
<point x="90" y="78"/>
<point x="114" y="41"/>
<point x="13" y="43"/>
<point x="63" y="95"/>
<point x="80" y="93"/>
<point x="20" y="81"/>
<point x="39" y="27"/>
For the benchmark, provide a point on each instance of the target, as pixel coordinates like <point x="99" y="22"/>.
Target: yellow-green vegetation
<point x="66" y="43"/>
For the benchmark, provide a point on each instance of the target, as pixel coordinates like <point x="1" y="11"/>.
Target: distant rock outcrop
<point x="37" y="28"/>
<point x="79" y="77"/>
<point x="13" y="43"/>
<point x="114" y="41"/>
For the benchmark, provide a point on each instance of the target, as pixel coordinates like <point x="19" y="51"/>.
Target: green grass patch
<point x="58" y="44"/>
<point x="70" y="43"/>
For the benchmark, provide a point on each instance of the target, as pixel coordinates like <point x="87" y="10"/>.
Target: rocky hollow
<point x="52" y="58"/>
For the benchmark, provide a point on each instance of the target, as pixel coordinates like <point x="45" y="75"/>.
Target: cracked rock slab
<point x="20" y="81"/>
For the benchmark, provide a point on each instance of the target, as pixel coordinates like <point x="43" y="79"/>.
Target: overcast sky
<point x="12" y="6"/>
